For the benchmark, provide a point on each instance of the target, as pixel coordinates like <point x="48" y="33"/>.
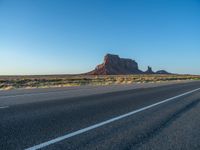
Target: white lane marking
<point x="44" y="93"/>
<point x="3" y="107"/>
<point x="64" y="137"/>
<point x="28" y="94"/>
<point x="32" y="94"/>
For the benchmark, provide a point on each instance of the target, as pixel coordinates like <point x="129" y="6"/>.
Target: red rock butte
<point x="114" y="65"/>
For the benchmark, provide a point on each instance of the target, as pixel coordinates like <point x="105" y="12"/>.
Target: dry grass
<point x="14" y="82"/>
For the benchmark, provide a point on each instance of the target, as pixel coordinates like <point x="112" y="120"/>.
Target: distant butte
<point x="114" y="65"/>
<point x="149" y="71"/>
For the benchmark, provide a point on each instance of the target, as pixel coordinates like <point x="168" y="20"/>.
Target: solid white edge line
<point x="2" y="107"/>
<point x="39" y="93"/>
<point x="30" y="94"/>
<point x="61" y="138"/>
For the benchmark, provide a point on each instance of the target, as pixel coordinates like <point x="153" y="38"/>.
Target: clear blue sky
<point x="72" y="36"/>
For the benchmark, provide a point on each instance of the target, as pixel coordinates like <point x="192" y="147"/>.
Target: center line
<point x="64" y="137"/>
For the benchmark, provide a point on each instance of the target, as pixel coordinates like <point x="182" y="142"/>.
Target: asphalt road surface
<point x="164" y="117"/>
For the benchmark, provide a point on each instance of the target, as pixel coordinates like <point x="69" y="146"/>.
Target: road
<point x="155" y="117"/>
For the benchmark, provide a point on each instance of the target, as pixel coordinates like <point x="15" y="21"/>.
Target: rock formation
<point x="149" y="71"/>
<point x="114" y="65"/>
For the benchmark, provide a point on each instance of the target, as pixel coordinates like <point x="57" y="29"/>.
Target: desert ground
<point x="49" y="81"/>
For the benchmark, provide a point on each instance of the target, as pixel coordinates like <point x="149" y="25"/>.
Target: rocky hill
<point x="114" y="65"/>
<point x="162" y="72"/>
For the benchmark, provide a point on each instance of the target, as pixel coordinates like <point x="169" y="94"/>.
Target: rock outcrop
<point x="114" y="65"/>
<point x="149" y="71"/>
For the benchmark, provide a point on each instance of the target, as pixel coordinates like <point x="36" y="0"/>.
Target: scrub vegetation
<point x="14" y="82"/>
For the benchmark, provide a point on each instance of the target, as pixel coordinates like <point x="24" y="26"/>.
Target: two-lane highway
<point x="163" y="117"/>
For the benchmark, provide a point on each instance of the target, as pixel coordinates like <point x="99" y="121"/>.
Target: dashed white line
<point x="64" y="137"/>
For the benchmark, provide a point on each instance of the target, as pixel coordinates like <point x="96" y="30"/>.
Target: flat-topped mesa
<point x="114" y="65"/>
